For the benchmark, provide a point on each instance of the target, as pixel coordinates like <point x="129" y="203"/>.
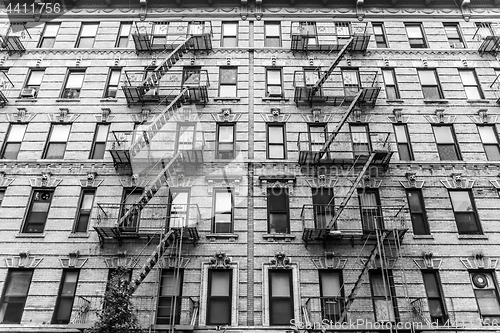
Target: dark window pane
<point x="466" y="223"/>
<point x="435" y="308"/>
<point x="488" y="302"/>
<point x="219" y="312"/>
<point x="431" y="285"/>
<point x="431" y="92"/>
<point x="492" y="152"/>
<point x="13" y="311"/>
<point x="281" y="311"/>
<point x="83" y="223"/>
<point x="414" y="201"/>
<point x="99" y="150"/>
<point x="278" y="223"/>
<point x="64" y="310"/>
<point x="55" y="150"/>
<point x="48" y="42"/>
<point x="278" y="199"/>
<point x="11" y="151"/>
<point x="448" y="152"/>
<point x="281" y="297"/>
<point x="404" y="152"/>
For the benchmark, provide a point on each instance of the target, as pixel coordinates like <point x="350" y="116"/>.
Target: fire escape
<point x="488" y="36"/>
<point x="358" y="149"/>
<point x="12" y="36"/>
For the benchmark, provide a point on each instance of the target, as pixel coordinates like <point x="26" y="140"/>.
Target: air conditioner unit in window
<point x="29" y="92"/>
<point x="457" y="46"/>
<point x="274" y="91"/>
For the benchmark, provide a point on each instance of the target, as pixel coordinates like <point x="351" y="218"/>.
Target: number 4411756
<point x="40" y="7"/>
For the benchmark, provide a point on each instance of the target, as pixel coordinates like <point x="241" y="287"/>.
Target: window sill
<point x="423" y="237"/>
<point x="275" y="237"/>
<point x="395" y="100"/>
<point x="79" y="235"/>
<point x="28" y="235"/>
<point x="275" y="99"/>
<point x="472" y="101"/>
<point x="213" y="237"/>
<point x="28" y="100"/>
<point x="472" y="237"/>
<point x="227" y="99"/>
<point x="104" y="100"/>
<point x="66" y="100"/>
<point x="438" y="101"/>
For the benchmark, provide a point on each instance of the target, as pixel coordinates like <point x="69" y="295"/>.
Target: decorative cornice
<point x="223" y="181"/>
<point x="23" y="260"/>
<point x="143" y="117"/>
<point x="280" y="261"/>
<point x="180" y="181"/>
<point x="317" y="116"/>
<point x="322" y="181"/>
<point x="329" y="261"/>
<point x="45" y="180"/>
<point x="226" y="116"/>
<point x="105" y="116"/>
<point x="4" y="180"/>
<point x="220" y="261"/>
<point x="287" y="182"/>
<point x="440" y="118"/>
<point x="73" y="260"/>
<point x="369" y="182"/>
<point x="376" y="263"/>
<point x="21" y="116"/>
<point x="411" y="181"/>
<point x="134" y="181"/>
<point x="357" y="116"/>
<point x="428" y="262"/>
<point x="457" y="182"/>
<point x="479" y="261"/>
<point x="275" y="116"/>
<point x="186" y="115"/>
<point x="121" y="260"/>
<point x="91" y="180"/>
<point x="173" y="261"/>
<point x="63" y="116"/>
<point x="398" y="117"/>
<point x="483" y="117"/>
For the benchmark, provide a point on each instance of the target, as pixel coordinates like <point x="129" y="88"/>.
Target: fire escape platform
<point x="337" y="236"/>
<point x="381" y="159"/>
<point x="490" y="44"/>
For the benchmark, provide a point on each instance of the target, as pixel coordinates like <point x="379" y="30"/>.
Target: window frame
<point x="372" y="217"/>
<point x="339" y="304"/>
<point x="383" y="35"/>
<point x="393" y="86"/>
<point x="270" y="85"/>
<point x="215" y="212"/>
<point x="95" y="143"/>
<point x="460" y="38"/>
<point x="61" y="296"/>
<point x="83" y="212"/>
<point x="225" y="39"/>
<point x="80" y="37"/>
<point x="437" y="85"/>
<point x="422" y="213"/>
<point x="455" y="142"/>
<point x="228" y="298"/>
<point x="28" y="213"/>
<point x="269" y="144"/>
<point x="6" y="139"/>
<point x="109" y="84"/>
<point x="120" y="37"/>
<point x="497" y="144"/>
<point x="134" y="221"/>
<point x="3" y="190"/>
<point x="440" y="298"/>
<point x="407" y="143"/>
<point x="474" y="212"/>
<point x="271" y="273"/>
<point x="323" y="212"/>
<point x="49" y="141"/>
<point x="176" y="297"/>
<point x="285" y="210"/>
<point x="390" y="286"/>
<point x="64" y="89"/>
<point x="424" y="44"/>
<point x="368" y="143"/>
<point x="224" y="84"/>
<point x="183" y="213"/>
<point x="9" y="279"/>
<point x="477" y="84"/>
<point x="268" y="38"/>
<point x="218" y="151"/>
<point x="26" y="84"/>
<point x="492" y="273"/>
<point x="43" y="36"/>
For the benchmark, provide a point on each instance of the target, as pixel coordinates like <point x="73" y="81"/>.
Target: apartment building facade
<point x="256" y="166"/>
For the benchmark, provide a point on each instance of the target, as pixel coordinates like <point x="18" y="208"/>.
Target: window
<point x="125" y="274"/>
<point x="73" y="85"/>
<point x="391" y="87"/>
<point x="430" y="84"/>
<point x="417" y="212"/>
<point x="129" y="198"/>
<point x="225" y="141"/>
<point x="379" y="32"/>
<point x="403" y="141"/>
<point x="38" y="210"/>
<point x="273" y="83"/>
<point x="317" y="136"/>
<point x="343" y="32"/>
<point x="99" y="143"/>
<point x="383" y="295"/>
<point x="465" y="212"/>
<point x="332" y="294"/>
<point x="280" y="297"/>
<point x="219" y="305"/>
<point x="229" y="34"/>
<point x="435" y="297"/>
<point x="276" y="141"/>
<point x="446" y="143"/>
<point x="415" y="35"/>
<point x="33" y="82"/>
<point x="13" y="141"/>
<point x="185" y="136"/>
<point x="471" y="85"/>
<point x="84" y="210"/>
<point x="454" y="35"/>
<point x="371" y="209"/>
<point x="56" y="144"/>
<point x="272" y="34"/>
<point x="191" y="76"/>
<point x="159" y="33"/>
<point x="278" y="214"/>
<point x="484" y="29"/>
<point x="170" y="297"/>
<point x="223" y="205"/>
<point x="66" y="296"/>
<point x="350" y="78"/>
<point x="123" y="34"/>
<point x="489" y="139"/>
<point x="323" y="206"/>
<point x="361" y="143"/>
<point x="486" y="292"/>
<point x="48" y="38"/>
<point x="178" y="208"/>
<point x="87" y="34"/>
<point x="14" y="296"/>
<point x="113" y="82"/>
<point x="308" y="31"/>
<point x="2" y="195"/>
<point x="228" y="81"/>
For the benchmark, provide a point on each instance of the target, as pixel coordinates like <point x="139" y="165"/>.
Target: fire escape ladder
<point x="381" y="236"/>
<point x="154" y="78"/>
<point x="344" y="202"/>
<point x="329" y="71"/>
<point x="170" y="239"/>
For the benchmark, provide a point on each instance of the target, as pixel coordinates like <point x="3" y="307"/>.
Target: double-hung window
<point x="323" y="206"/>
<point x="446" y="143"/>
<point x="57" y="141"/>
<point x="228" y="81"/>
<point x="274" y="82"/>
<point x="178" y="208"/>
<point x="2" y="195"/>
<point x="99" y="142"/>
<point x="379" y="32"/>
<point x="223" y="204"/>
<point x="123" y="34"/>
<point x="276" y="141"/>
<point x="13" y="140"/>
<point x="170" y="297"/>
<point x="351" y="81"/>
<point x="113" y="82"/>
<point x="403" y="141"/>
<point x="219" y="307"/>
<point x="332" y="292"/>
<point x="278" y="212"/>
<point x="383" y="295"/>
<point x="129" y="198"/>
<point x="435" y="298"/>
<point x="489" y="139"/>
<point x="84" y="210"/>
<point x="66" y="296"/>
<point x="431" y="89"/>
<point x="417" y="211"/>
<point x="415" y="35"/>
<point x="361" y="143"/>
<point x="454" y="35"/>
<point x="485" y="286"/>
<point x="32" y="85"/>
<point x="371" y="210"/>
<point x="466" y="217"/>
<point x="309" y="32"/>
<point x="49" y="34"/>
<point x="471" y="84"/>
<point x="38" y="211"/>
<point x="272" y="34"/>
<point x="391" y="86"/>
<point x="225" y="141"/>
<point x="229" y="34"/>
<point x="15" y="293"/>
<point x="73" y="85"/>
<point x="87" y="34"/>
<point x="280" y="296"/>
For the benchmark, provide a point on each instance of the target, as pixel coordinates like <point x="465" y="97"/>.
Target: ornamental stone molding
<point x="63" y="116"/>
<point x="23" y="260"/>
<point x="398" y="117"/>
<point x="275" y="116"/>
<point x="322" y="181"/>
<point x="412" y="181"/>
<point x="317" y="116"/>
<point x="73" y="260"/>
<point x="173" y="261"/>
<point x="483" y="117"/>
<point x="329" y="261"/>
<point x="91" y="181"/>
<point x="369" y="182"/>
<point x="180" y="181"/>
<point x="440" y="118"/>
<point x="134" y="181"/>
<point x="479" y="261"/>
<point x="221" y="181"/>
<point x="226" y="116"/>
<point x="121" y="260"/>
<point x="105" y="116"/>
<point x="143" y="117"/>
<point x="378" y="263"/>
<point x="186" y="115"/>
<point x="4" y="180"/>
<point x="280" y="261"/>
<point x="357" y="116"/>
<point x="220" y="261"/>
<point x="286" y="182"/>
<point x="457" y="182"/>
<point x="46" y="180"/>
<point x="21" y="116"/>
<point x="428" y="262"/>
